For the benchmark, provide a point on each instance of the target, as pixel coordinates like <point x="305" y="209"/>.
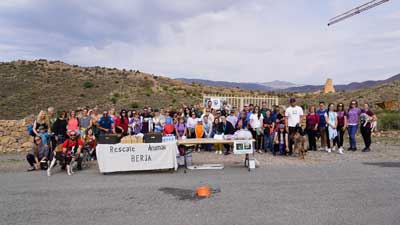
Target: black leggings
<point x="312" y="142"/>
<point x="366" y="134"/>
<point x="335" y="141"/>
<point x="340" y="136"/>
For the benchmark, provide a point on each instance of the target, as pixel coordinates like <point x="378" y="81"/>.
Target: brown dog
<point x="298" y="144"/>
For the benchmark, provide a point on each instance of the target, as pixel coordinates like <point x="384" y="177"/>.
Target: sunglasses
<point x="38" y="139"/>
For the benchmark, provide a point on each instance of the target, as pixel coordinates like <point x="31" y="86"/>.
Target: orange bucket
<point x="203" y="192"/>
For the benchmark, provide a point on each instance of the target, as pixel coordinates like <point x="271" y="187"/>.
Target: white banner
<point x="134" y="157"/>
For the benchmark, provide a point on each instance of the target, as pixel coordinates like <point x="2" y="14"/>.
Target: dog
<point x="298" y="144"/>
<point x="368" y="119"/>
<point x="58" y="156"/>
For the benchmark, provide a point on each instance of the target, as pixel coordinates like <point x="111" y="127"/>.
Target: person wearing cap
<point x="293" y="117"/>
<point x="72" y="147"/>
<point x="199" y="129"/>
<point x="281" y="140"/>
<point x="199" y="132"/>
<point x="106" y="124"/>
<point x="44" y="135"/>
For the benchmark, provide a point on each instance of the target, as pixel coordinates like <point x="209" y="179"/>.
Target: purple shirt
<point x="353" y="116"/>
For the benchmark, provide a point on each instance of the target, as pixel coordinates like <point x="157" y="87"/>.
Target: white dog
<point x="57" y="156"/>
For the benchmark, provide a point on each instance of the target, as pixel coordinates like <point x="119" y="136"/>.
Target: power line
<point x="356" y="11"/>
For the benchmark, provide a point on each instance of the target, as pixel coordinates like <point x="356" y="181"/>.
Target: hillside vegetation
<point x="28" y="86"/>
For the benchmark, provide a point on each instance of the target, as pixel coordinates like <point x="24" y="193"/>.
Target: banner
<point x="135" y="157"/>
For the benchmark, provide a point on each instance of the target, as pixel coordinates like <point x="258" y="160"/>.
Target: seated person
<point x="281" y="141"/>
<point x="90" y="144"/>
<point x="72" y="147"/>
<point x="37" y="157"/>
<point x="106" y="124"/>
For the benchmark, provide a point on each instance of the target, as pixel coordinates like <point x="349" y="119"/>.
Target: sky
<point x="230" y="40"/>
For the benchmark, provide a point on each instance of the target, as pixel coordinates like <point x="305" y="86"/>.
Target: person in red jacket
<point x="122" y="123"/>
<point x="312" y="121"/>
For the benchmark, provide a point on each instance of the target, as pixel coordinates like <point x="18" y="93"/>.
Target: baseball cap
<point x="291" y="100"/>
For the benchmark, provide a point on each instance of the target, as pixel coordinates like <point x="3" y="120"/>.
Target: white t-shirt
<point x="293" y="115"/>
<point x="255" y="122"/>
<point x="191" y="123"/>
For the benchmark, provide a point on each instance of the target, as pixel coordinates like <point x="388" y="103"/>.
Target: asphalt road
<point x="326" y="194"/>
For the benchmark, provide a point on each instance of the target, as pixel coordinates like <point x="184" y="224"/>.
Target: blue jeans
<point x="352" y="129"/>
<point x="268" y="139"/>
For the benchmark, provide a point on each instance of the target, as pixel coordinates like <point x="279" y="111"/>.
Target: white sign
<point x="241" y="147"/>
<point x="135" y="157"/>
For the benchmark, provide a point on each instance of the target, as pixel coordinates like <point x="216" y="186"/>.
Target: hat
<point x="291" y="100"/>
<point x="199" y="120"/>
<point x="281" y="126"/>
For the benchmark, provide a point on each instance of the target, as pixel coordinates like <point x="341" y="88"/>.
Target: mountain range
<point x="284" y="86"/>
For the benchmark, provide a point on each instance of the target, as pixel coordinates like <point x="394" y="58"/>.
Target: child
<point x="90" y="145"/>
<point x="199" y="131"/>
<point x="44" y="135"/>
<point x="281" y="140"/>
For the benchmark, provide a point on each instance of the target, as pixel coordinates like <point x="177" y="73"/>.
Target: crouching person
<point x="37" y="157"/>
<point x="71" y="151"/>
<point x="281" y="141"/>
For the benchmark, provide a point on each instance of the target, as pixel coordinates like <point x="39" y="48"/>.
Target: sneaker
<point x="322" y="149"/>
<point x="328" y="150"/>
<point x="48" y="173"/>
<point x="216" y="152"/>
<point x="366" y="150"/>
<point x="341" y="151"/>
<point x="31" y="169"/>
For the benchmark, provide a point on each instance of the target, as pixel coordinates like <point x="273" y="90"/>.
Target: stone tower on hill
<point x="328" y="87"/>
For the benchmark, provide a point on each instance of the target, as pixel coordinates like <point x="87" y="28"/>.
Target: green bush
<point x="88" y="84"/>
<point x="389" y="120"/>
<point x="134" y="105"/>
<point x="114" y="99"/>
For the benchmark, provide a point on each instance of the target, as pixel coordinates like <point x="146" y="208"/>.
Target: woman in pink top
<point x="73" y="122"/>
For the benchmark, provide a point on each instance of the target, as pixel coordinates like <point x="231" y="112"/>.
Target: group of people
<point x="76" y="132"/>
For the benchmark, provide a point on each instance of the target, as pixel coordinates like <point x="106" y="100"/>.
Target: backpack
<point x="29" y="128"/>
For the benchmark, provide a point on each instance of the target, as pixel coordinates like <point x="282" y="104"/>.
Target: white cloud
<point x="224" y="40"/>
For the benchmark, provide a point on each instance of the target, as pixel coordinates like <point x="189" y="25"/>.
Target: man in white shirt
<point x="293" y="117"/>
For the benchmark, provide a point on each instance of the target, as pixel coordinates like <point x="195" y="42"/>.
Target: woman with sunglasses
<point x="353" y="117"/>
<point x="342" y="125"/>
<point x="191" y="124"/>
<point x="122" y="123"/>
<point x="37" y="157"/>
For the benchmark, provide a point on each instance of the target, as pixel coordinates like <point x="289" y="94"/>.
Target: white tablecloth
<point x="136" y="157"/>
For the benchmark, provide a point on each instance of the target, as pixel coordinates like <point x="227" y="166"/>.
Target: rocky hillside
<point x="28" y="86"/>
